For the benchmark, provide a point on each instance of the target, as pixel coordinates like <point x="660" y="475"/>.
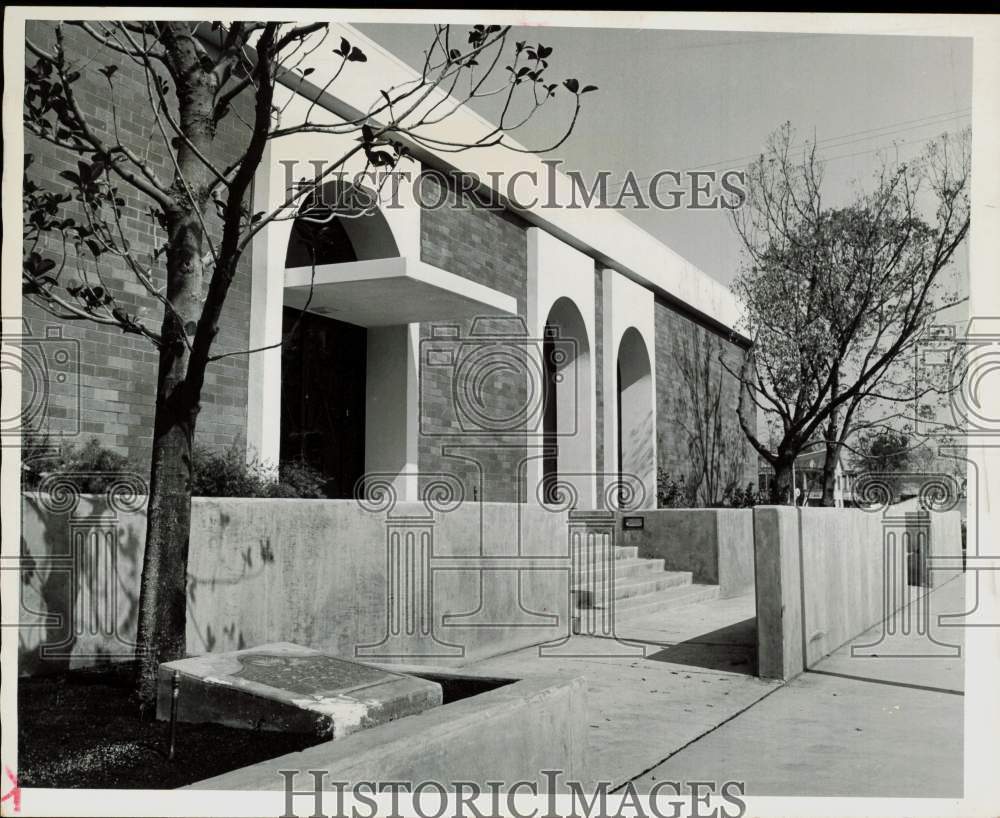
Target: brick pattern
<point x="113" y="398"/>
<point x="679" y="337"/>
<point x="490" y="248"/>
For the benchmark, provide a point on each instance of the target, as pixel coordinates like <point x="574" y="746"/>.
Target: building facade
<point x="506" y="354"/>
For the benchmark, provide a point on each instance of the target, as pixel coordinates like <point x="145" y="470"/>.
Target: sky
<point x="687" y="100"/>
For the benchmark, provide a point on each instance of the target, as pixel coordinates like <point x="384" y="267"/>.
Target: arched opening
<point x="340" y="223"/>
<point x="567" y="465"/>
<point x="327" y="379"/>
<point x="636" y="428"/>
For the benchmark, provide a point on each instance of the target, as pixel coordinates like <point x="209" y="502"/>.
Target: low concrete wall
<point x="716" y="545"/>
<point x="508" y="734"/>
<point x="824" y="576"/>
<point x="315" y="572"/>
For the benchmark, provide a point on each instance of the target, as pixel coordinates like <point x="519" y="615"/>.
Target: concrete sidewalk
<point x="685" y="705"/>
<point x="852" y="726"/>
<point x="677" y="675"/>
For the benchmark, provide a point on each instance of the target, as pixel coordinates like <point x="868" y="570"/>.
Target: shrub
<point x="735" y="497"/>
<point x="228" y="474"/>
<point x="671" y="493"/>
<point x="92" y="468"/>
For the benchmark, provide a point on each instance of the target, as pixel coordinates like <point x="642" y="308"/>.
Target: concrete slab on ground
<point x="647" y="703"/>
<point x="854" y="725"/>
<point x="290" y="688"/>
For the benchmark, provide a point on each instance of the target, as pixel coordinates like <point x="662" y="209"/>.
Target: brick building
<point x="502" y="352"/>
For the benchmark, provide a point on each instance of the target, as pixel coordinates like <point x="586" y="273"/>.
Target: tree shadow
<point x="732" y="649"/>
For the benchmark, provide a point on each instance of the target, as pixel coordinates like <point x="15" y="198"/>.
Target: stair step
<point x="667" y="599"/>
<point x="627" y="567"/>
<point x="590" y="596"/>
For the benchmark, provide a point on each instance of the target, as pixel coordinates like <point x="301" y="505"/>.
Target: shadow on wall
<point x="80" y="563"/>
<point x="314" y="572"/>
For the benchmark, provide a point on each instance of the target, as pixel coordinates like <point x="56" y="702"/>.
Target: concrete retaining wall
<point x="313" y="572"/>
<point x="508" y="734"/>
<point x="716" y="545"/>
<point x="824" y="576"/>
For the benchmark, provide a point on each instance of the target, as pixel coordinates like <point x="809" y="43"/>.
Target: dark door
<point x="323" y="398"/>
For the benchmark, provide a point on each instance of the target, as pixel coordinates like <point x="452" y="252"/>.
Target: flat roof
<point x="612" y="239"/>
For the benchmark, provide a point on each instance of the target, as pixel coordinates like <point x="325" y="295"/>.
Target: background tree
<point x="196" y="76"/>
<point x="716" y="450"/>
<point x="884" y="450"/>
<point x="836" y="299"/>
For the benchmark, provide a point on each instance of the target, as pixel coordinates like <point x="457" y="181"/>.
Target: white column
<point x="267" y="261"/>
<point x="391" y="406"/>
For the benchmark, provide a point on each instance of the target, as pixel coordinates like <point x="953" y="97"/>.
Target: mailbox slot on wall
<point x="633" y="523"/>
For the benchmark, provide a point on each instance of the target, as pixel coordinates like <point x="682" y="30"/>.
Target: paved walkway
<point x="687" y="672"/>
<point x="681" y="703"/>
<point x="852" y="726"/>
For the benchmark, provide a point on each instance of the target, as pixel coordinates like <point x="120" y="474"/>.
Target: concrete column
<point x="778" y="572"/>
<point x="392" y="383"/>
<point x="267" y="286"/>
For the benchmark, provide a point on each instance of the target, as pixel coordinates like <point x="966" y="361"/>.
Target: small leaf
<point x="307" y="72"/>
<point x="572" y="85"/>
<point x="543" y="51"/>
<point x="357" y="55"/>
<point x="588" y="88"/>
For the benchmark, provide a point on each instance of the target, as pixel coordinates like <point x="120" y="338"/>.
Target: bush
<point x="228" y="474"/>
<point x="92" y="467"/>
<point x="214" y="474"/>
<point x="735" y="497"/>
<point x="671" y="493"/>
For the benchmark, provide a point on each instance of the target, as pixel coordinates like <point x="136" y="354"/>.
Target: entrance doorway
<point x="323" y="398"/>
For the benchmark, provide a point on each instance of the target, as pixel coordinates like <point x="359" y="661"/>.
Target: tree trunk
<point x="782" y="490"/>
<point x="830" y="473"/>
<point x="163" y="591"/>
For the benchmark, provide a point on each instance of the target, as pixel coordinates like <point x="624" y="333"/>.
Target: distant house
<point x="808" y="480"/>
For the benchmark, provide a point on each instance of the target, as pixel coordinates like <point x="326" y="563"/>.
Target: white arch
<point x="636" y="433"/>
<point x="568" y="399"/>
<point x="630" y="338"/>
<point x="561" y="294"/>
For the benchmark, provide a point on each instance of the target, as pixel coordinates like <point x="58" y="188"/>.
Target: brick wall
<point x="684" y="368"/>
<point x="490" y="248"/>
<point x="117" y="372"/>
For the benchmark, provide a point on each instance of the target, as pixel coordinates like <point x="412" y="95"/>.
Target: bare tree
<point x="196" y="75"/>
<point x="716" y="450"/>
<point x="837" y="298"/>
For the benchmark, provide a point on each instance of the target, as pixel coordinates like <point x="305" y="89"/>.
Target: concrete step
<point x="627" y="567"/>
<point x="622" y="552"/>
<point x="676" y="597"/>
<point x="590" y="596"/>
